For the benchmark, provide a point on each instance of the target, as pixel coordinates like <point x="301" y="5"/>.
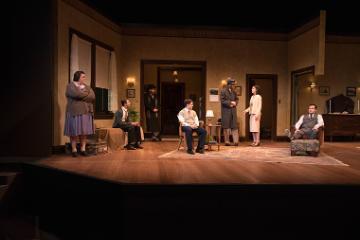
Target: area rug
<point x="258" y="154"/>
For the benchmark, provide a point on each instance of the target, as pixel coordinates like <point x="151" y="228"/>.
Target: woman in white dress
<point x="254" y="111"/>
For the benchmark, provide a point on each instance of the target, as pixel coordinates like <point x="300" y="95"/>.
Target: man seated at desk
<point x="132" y="128"/>
<point x="308" y="125"/>
<point x="190" y="123"/>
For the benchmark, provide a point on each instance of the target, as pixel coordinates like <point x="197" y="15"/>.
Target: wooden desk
<point x="217" y="129"/>
<point x="341" y="125"/>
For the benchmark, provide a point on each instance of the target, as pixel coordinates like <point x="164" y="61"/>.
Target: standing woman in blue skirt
<point x="79" y="121"/>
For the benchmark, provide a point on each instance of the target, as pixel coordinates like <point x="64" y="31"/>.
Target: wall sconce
<point x="130" y="81"/>
<point x="223" y="83"/>
<point x="312" y="86"/>
<point x="175" y="74"/>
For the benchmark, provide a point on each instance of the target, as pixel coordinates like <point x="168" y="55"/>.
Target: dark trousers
<point x="304" y="133"/>
<point x="134" y="134"/>
<point x="189" y="137"/>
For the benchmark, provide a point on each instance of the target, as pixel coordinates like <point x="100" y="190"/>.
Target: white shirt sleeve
<point x="196" y="120"/>
<point x="320" y="122"/>
<point x="182" y="119"/>
<point x="298" y="124"/>
<point x="123" y="115"/>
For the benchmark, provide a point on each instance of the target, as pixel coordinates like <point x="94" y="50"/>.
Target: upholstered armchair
<point x="308" y="146"/>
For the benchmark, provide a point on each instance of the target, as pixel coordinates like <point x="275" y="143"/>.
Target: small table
<point x="209" y="128"/>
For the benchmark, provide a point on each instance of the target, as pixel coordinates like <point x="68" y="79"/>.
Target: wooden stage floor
<point x="144" y="166"/>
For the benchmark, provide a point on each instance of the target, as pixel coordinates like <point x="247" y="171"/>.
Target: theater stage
<point x="160" y="163"/>
<point x="170" y="195"/>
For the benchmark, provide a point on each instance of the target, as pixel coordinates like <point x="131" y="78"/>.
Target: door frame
<point x="294" y="75"/>
<point x="171" y="63"/>
<point x="274" y="79"/>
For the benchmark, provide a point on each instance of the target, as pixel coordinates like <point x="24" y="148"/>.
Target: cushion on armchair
<point x="305" y="145"/>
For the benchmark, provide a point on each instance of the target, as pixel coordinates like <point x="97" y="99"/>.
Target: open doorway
<point x="172" y="99"/>
<point x="175" y="81"/>
<point x="268" y="92"/>
<point x="299" y="96"/>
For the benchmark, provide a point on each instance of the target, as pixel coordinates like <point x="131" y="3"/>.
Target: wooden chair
<point x="182" y="135"/>
<point x="310" y="146"/>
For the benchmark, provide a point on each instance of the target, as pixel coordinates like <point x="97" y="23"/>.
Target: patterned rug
<point x="258" y="154"/>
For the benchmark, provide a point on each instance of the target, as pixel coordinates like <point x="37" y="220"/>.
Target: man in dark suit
<point x="152" y="113"/>
<point x="229" y="102"/>
<point x="132" y="128"/>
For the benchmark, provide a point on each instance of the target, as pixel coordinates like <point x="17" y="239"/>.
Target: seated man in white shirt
<point x="308" y="125"/>
<point x="190" y="123"/>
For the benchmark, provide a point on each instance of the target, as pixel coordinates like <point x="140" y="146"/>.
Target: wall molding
<point x="200" y="32"/>
<point x="153" y="30"/>
<point x="342" y="39"/>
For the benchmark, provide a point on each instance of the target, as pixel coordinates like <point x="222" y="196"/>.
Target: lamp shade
<point x="209" y="113"/>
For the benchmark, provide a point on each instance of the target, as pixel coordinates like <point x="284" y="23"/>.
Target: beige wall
<point x="91" y="24"/>
<point x="342" y="69"/>
<point x="303" y="50"/>
<point x="224" y="57"/>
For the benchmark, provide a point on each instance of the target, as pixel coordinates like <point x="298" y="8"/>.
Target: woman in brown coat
<point x="79" y="120"/>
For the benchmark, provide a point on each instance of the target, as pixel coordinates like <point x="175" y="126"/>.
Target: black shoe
<point x="74" y="154"/>
<point x="84" y="153"/>
<point x="130" y="147"/>
<point x="139" y="146"/>
<point x="201" y="151"/>
<point x="256" y="144"/>
<point x="190" y="152"/>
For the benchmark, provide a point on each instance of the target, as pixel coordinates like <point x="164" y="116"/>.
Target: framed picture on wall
<point x="324" y="90"/>
<point x="130" y="93"/>
<point x="214" y="95"/>
<point x="351" y="91"/>
<point x="238" y="90"/>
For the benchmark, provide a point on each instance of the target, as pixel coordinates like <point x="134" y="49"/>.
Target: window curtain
<point x="74" y="55"/>
<point x="102" y="68"/>
<point x="80" y="57"/>
<point x="113" y="96"/>
<point x="84" y="58"/>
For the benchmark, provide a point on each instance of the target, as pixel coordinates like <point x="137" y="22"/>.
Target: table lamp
<point x="209" y="116"/>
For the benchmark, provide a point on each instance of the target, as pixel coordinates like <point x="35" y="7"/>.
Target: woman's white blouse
<point x="255" y="105"/>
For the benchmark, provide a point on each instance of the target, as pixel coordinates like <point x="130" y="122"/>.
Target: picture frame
<point x="130" y="93"/>
<point x="324" y="90"/>
<point x="214" y="94"/>
<point x="351" y="91"/>
<point x="214" y="91"/>
<point x="238" y="90"/>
